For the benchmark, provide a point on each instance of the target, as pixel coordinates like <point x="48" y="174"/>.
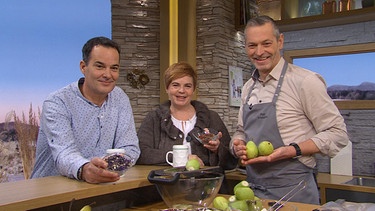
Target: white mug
<point x="180" y="155"/>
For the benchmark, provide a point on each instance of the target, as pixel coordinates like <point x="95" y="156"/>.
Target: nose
<point x="259" y="50"/>
<point x="181" y="89"/>
<point x="107" y="72"/>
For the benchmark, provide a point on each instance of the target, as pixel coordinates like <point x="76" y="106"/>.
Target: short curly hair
<point x="179" y="70"/>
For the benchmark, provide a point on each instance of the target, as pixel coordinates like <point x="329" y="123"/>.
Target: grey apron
<point x="273" y="180"/>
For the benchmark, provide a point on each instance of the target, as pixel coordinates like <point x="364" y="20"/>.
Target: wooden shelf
<point x="333" y="19"/>
<point x="317" y="21"/>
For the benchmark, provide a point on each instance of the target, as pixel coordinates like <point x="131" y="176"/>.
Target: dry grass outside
<point x="10" y="160"/>
<point x="3" y="172"/>
<point x="27" y="134"/>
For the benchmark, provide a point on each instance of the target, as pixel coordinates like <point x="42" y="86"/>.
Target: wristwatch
<point x="298" y="150"/>
<point x="79" y="172"/>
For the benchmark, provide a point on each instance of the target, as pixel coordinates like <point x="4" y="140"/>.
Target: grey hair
<point x="260" y="21"/>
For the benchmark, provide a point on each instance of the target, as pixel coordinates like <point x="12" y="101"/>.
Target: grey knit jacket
<point x="157" y="135"/>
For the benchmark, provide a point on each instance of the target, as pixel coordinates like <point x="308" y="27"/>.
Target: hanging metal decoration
<point x="137" y="78"/>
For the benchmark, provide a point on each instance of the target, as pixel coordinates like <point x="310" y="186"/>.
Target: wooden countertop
<point x="324" y="180"/>
<point x="42" y="192"/>
<point x="336" y="182"/>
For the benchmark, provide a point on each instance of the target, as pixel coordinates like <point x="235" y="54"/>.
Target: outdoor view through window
<point x="348" y="77"/>
<point x="41" y="44"/>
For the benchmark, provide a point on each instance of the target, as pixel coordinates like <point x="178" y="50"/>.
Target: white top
<point x="185" y="127"/>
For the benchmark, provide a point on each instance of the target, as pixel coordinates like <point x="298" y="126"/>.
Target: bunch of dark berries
<point x="117" y="162"/>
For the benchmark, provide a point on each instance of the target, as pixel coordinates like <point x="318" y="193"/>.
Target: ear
<point x="281" y="41"/>
<point x="82" y="67"/>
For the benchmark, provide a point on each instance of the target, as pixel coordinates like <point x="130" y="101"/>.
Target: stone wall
<point x="135" y="25"/>
<point x="219" y="46"/>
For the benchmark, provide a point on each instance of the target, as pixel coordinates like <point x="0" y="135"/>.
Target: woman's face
<point x="180" y="91"/>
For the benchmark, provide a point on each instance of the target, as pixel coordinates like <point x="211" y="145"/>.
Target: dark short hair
<point x="179" y="70"/>
<point x="103" y="41"/>
<point x="260" y="21"/>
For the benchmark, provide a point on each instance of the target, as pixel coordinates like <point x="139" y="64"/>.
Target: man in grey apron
<point x="273" y="180"/>
<point x="277" y="120"/>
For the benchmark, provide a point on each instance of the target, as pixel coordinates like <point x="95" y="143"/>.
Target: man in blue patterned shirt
<point x="82" y="120"/>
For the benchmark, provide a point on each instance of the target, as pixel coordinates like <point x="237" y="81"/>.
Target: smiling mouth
<point x="180" y="97"/>
<point x="261" y="59"/>
<point x="107" y="82"/>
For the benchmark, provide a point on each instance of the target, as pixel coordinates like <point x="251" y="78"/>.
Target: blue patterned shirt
<point x="73" y="130"/>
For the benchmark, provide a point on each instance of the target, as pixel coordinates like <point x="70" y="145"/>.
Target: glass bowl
<point x="191" y="209"/>
<point x="187" y="190"/>
<point x="205" y="136"/>
<point x="117" y="161"/>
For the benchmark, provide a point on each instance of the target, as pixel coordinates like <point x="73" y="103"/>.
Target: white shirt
<point x="185" y="127"/>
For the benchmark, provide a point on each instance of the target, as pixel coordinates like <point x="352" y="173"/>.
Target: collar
<point x="78" y="85"/>
<point x="274" y="74"/>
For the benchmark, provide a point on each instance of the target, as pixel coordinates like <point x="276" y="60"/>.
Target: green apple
<point x="256" y="204"/>
<point x="192" y="164"/>
<point x="265" y="148"/>
<point x="244" y="193"/>
<point x="251" y="150"/>
<point x="220" y="203"/>
<point x="238" y="205"/>
<point x="243" y="183"/>
<point x="86" y="208"/>
<point x="232" y="198"/>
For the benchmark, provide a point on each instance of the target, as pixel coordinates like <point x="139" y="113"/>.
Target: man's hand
<point x="278" y="154"/>
<point x="95" y="172"/>
<point x="239" y="147"/>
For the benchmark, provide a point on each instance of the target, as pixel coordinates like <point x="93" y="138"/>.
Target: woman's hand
<point x="213" y="145"/>
<point x="95" y="172"/>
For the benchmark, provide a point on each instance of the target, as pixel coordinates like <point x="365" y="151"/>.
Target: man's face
<point x="262" y="47"/>
<point x="101" y="72"/>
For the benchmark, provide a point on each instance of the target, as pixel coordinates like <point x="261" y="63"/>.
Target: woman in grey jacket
<point x="172" y="123"/>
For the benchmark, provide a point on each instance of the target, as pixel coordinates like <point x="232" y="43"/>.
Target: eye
<point x="189" y="85"/>
<point x="251" y="46"/>
<point x="115" y="69"/>
<point x="267" y="44"/>
<point x="99" y="66"/>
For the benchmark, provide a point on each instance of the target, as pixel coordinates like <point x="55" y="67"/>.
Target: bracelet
<point x="298" y="150"/>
